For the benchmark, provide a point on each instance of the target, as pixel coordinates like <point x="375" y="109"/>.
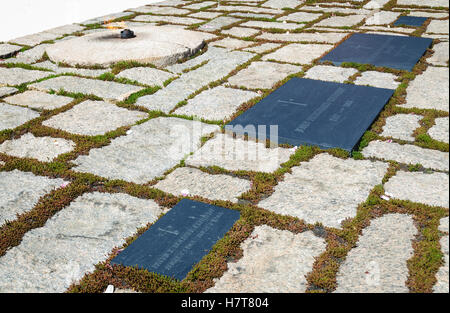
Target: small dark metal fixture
<point x="127" y="34"/>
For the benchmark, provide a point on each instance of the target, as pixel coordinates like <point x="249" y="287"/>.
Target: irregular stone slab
<point x="330" y="73"/>
<point x="424" y="3"/>
<point x="205" y="14"/>
<point x="148" y="151"/>
<point x="168" y="19"/>
<point x="401" y="126"/>
<point x="39" y="100"/>
<point x="407" y="154"/>
<point x="73" y="70"/>
<point x="336" y="10"/>
<point x="382" y="18"/>
<point x="438" y="27"/>
<point x="272" y="25"/>
<point x="44" y="149"/>
<point x="389" y="29"/>
<point x="20" y="192"/>
<point x="375" y="4"/>
<point x="161" y="10"/>
<point x="240" y="32"/>
<point x="12" y="116"/>
<point x="146" y="75"/>
<point x="263" y="75"/>
<point x="198" y="183"/>
<point x="301" y="17"/>
<point x="218" y="23"/>
<point x="30" y="56"/>
<point x="210" y="54"/>
<point x="429" y="90"/>
<point x="219" y="65"/>
<point x="377" y="79"/>
<point x="200" y="5"/>
<point x="34" y="39"/>
<point x="428" y="14"/>
<point x="440" y="55"/>
<point x="304" y="37"/>
<point x="430" y="189"/>
<point x="232" y="43"/>
<point x="238" y="154"/>
<point x="7" y="50"/>
<point x="73" y="241"/>
<point x="440" y="131"/>
<point x="443" y="273"/>
<point x="274" y="261"/>
<point x="341" y="21"/>
<point x="104" y="89"/>
<point x="17" y="76"/>
<point x="325" y="189"/>
<point x="243" y="8"/>
<point x="263" y="47"/>
<point x="65" y="30"/>
<point x="107" y="18"/>
<point x="251" y="15"/>
<point x="280" y="4"/>
<point x="217" y="103"/>
<point x="379" y="261"/>
<point x="443" y="225"/>
<point x="159" y="45"/>
<point x="5" y="91"/>
<point x="94" y="118"/>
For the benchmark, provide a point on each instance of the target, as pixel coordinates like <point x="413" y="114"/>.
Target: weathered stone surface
<point x="243" y="8"/>
<point x="263" y="75"/>
<point x="12" y="116"/>
<point x="407" y="154"/>
<point x="34" y="39"/>
<point x="168" y="19"/>
<point x="382" y="18"/>
<point x="232" y="43"/>
<point x="301" y="17"/>
<point x="39" y="100"/>
<point x="378" y="263"/>
<point x="375" y="4"/>
<point x="389" y="30"/>
<point x="330" y="73"/>
<point x="425" y="3"/>
<point x="439" y="131"/>
<point x="5" y="91"/>
<point x="298" y="53"/>
<point x="443" y="273"/>
<point x="94" y="118"/>
<point x="65" y="30"/>
<point x="240" y="32"/>
<point x="438" y="27"/>
<point x="17" y="76"/>
<point x="280" y="4"/>
<point x="443" y="225"/>
<point x="44" y="149"/>
<point x="325" y="189"/>
<point x="238" y="154"/>
<point x="430" y="189"/>
<point x="205" y="14"/>
<point x="104" y="89"/>
<point x="216" y="104"/>
<point x="30" y="56"/>
<point x="401" y="126"/>
<point x="274" y="261"/>
<point x="159" y="45"/>
<point x="428" y="14"/>
<point x="6" y="50"/>
<point x="20" y="192"/>
<point x="304" y="37"/>
<point x="107" y="18"/>
<point x="377" y="79"/>
<point x="440" y="55"/>
<point x="341" y="21"/>
<point x="220" y="63"/>
<point x="161" y="10"/>
<point x="198" y="183"/>
<point x="81" y="235"/>
<point x="148" y="151"/>
<point x="272" y="25"/>
<point x="250" y="15"/>
<point x="218" y="23"/>
<point x="146" y="75"/>
<point x="336" y="10"/>
<point x="200" y="5"/>
<point x="263" y="47"/>
<point x="64" y="70"/>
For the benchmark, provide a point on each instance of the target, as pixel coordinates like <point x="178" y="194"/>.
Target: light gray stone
<point x="104" y="89"/>
<point x="39" y="100"/>
<point x="210" y="54"/>
<point x="240" y="32"/>
<point x="218" y="23"/>
<point x="377" y="79"/>
<point x="205" y="14"/>
<point x="274" y="261"/>
<point x="439" y="131"/>
<point x="34" y="39"/>
<point x="31" y="55"/>
<point x="430" y="189"/>
<point x="304" y="37"/>
<point x="263" y="75"/>
<point x="325" y="189"/>
<point x="20" y="192"/>
<point x="388" y="30"/>
<point x="200" y="5"/>
<point x="238" y="154"/>
<point x="301" y="17"/>
<point x="379" y="261"/>
<point x="250" y="15"/>
<point x="107" y="18"/>
<point x="443" y="273"/>
<point x="161" y="10"/>
<point x="298" y="53"/>
<point x="7" y="50"/>
<point x="243" y="8"/>
<point x="72" y="242"/>
<point x="12" y="116"/>
<point x="198" y="183"/>
<point x="336" y="10"/>
<point x="438" y="27"/>
<point x="272" y="25"/>
<point x="170" y="3"/>
<point x="148" y="151"/>
<point x="428" y="14"/>
<point x="94" y="118"/>
<point x="65" y="30"/>
<point x="146" y="75"/>
<point x="407" y="154"/>
<point x="440" y="55"/>
<point x="17" y="76"/>
<point x="375" y="4"/>
<point x="216" y="104"/>
<point x="429" y="90"/>
<point x="425" y="3"/>
<point x="232" y="43"/>
<point x="168" y="19"/>
<point x="73" y="70"/>
<point x="43" y="149"/>
<point x="341" y="21"/>
<point x="280" y="4"/>
<point x="5" y="91"/>
<point x="382" y="18"/>
<point x="401" y="126"/>
<point x="443" y="225"/>
<point x="263" y="47"/>
<point x="330" y="73"/>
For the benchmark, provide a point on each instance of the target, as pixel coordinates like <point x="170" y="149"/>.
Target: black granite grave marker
<point x="397" y="52"/>
<point x="180" y="239"/>
<point x="414" y="21"/>
<point x="313" y="112"/>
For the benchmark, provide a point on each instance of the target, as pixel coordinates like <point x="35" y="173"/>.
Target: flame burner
<point x="127" y="34"/>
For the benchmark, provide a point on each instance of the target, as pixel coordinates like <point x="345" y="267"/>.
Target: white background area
<point x="24" y="17"/>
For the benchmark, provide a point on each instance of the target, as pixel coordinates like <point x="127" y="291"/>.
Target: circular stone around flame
<point x="159" y="45"/>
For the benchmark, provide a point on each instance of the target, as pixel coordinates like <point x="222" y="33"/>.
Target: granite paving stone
<point x="167" y="19"/>
<point x="107" y="18"/>
<point x="232" y="43"/>
<point x="7" y="50"/>
<point x="240" y="32"/>
<point x="382" y="18"/>
<point x="44" y="149"/>
<point x="243" y="8"/>
<point x="263" y="47"/>
<point x="438" y="27"/>
<point x="273" y="261"/>
<point x="93" y="118"/>
<point x="304" y="37"/>
<point x="375" y="4"/>
<point x="341" y="21"/>
<point x="251" y="15"/>
<point x="34" y="39"/>
<point x="218" y="23"/>
<point x="161" y="10"/>
<point x="439" y="131"/>
<point x="205" y="14"/>
<point x="301" y="17"/>
<point x="38" y="100"/>
<point x="30" y="56"/>
<point x="198" y="183"/>
<point x="271" y="25"/>
<point x="149" y="150"/>
<point x="200" y="5"/>
<point x="428" y="14"/>
<point x="378" y="263"/>
<point x="443" y="273"/>
<point x="73" y="70"/>
<point x="298" y="53"/>
<point x="325" y="189"/>
<point x="65" y="30"/>
<point x="5" y="91"/>
<point x="280" y="4"/>
<point x="377" y="79"/>
<point x="146" y="75"/>
<point x="401" y="126"/>
<point x="407" y="154"/>
<point x="440" y="55"/>
<point x="12" y="116"/>
<point x="330" y="73"/>
<point x="17" y="76"/>
<point x="336" y="10"/>
<point x="424" y="3"/>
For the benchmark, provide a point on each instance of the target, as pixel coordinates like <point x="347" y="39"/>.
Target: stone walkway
<point x="90" y="157"/>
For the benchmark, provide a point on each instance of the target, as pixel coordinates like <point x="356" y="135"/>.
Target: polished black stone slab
<point x="180" y="239"/>
<point x="397" y="52"/>
<point x="316" y="113"/>
<point x="414" y="21"/>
